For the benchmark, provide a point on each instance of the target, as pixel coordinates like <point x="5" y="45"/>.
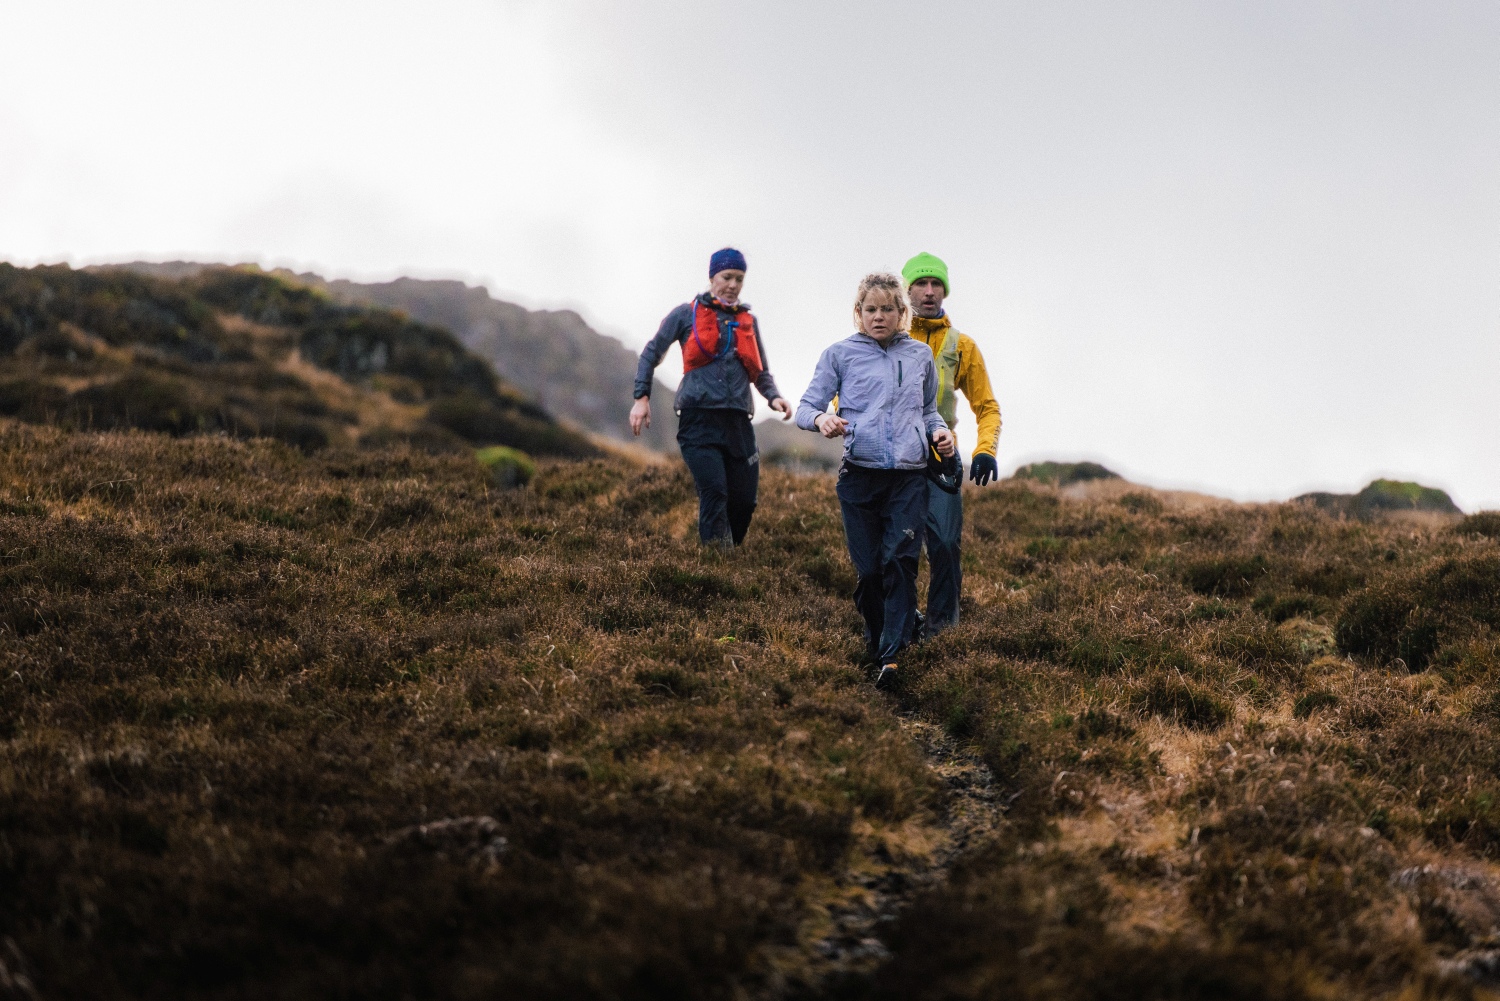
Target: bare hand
<point x="640" y="415"/>
<point x="782" y="407"/>
<point x="943" y="439"/>
<point x="830" y="425"/>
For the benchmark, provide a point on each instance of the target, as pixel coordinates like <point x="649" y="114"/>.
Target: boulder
<point x="1062" y="474"/>
<point x="1382" y="497"/>
<point x="508" y="467"/>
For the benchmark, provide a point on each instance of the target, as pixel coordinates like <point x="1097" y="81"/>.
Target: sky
<point x="1251" y="249"/>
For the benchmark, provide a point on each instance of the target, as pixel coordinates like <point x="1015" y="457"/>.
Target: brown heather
<point x="1247" y="752"/>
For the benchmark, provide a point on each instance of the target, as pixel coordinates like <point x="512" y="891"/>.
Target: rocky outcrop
<point x="575" y="372"/>
<point x="1382" y="497"/>
<point x="1063" y="474"/>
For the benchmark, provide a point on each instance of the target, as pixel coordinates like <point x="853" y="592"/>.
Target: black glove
<point x="984" y="469"/>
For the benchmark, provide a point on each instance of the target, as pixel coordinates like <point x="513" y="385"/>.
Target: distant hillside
<point x="569" y="367"/>
<point x="1063" y="474"/>
<point x="1383" y="497"/>
<point x="238" y="351"/>
<point x="784" y="444"/>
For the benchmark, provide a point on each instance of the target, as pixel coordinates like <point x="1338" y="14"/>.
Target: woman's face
<point x="725" y="286"/>
<point x="879" y="316"/>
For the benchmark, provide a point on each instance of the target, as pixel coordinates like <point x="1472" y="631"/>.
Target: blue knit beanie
<point x="725" y="259"/>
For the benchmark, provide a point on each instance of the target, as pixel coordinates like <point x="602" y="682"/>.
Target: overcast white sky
<point x="1248" y="248"/>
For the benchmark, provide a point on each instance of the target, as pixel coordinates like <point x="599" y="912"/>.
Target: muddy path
<point x="866" y="900"/>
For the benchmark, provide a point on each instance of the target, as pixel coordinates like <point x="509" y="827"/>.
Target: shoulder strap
<point x="693" y="332"/>
<point x="950" y="343"/>
<point x="947" y="370"/>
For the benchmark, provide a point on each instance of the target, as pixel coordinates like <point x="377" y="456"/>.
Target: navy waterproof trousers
<point x="885" y="511"/>
<point x="718" y="446"/>
<point x="945" y="525"/>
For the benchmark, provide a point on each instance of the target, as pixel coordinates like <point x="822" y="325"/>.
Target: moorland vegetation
<point x="279" y="724"/>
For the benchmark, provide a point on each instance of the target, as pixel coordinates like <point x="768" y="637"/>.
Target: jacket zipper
<point x="891" y="409"/>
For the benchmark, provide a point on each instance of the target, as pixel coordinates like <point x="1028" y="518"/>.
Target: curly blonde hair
<point x="882" y="281"/>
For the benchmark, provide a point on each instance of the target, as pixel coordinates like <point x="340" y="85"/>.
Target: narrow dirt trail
<point x="869" y="898"/>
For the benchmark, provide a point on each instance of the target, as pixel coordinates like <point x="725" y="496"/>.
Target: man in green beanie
<point x="960" y="369"/>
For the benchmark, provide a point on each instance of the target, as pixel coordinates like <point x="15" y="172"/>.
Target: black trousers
<point x="885" y="512"/>
<point x="719" y="449"/>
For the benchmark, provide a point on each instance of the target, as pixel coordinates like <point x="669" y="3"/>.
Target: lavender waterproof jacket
<point x="887" y="394"/>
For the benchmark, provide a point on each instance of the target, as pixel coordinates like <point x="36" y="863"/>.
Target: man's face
<point x="726" y="285"/>
<point x="927" y="295"/>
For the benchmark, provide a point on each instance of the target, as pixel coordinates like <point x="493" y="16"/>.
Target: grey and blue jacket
<point x="887" y="394"/>
<point x="722" y="384"/>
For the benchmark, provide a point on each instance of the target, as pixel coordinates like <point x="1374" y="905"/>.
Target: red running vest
<point x="702" y="345"/>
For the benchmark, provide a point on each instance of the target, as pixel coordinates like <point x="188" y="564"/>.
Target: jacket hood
<point x="900" y="336"/>
<point x="924" y="329"/>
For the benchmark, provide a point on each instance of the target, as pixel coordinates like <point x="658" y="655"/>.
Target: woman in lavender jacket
<point x="886" y="386"/>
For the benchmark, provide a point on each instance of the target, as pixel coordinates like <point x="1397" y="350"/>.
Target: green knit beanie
<point x="924" y="265"/>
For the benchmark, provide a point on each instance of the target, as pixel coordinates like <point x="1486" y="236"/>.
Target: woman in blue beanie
<point x="722" y="356"/>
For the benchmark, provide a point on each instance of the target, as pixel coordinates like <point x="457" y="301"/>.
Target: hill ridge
<point x="574" y="370"/>
<point x="238" y="351"/>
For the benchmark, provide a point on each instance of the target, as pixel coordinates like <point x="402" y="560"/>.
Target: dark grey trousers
<point x="945" y="526"/>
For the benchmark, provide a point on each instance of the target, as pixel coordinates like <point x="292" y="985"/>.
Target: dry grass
<point x="239" y="681"/>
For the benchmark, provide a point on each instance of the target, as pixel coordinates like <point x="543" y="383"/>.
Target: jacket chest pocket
<point x="908" y="397"/>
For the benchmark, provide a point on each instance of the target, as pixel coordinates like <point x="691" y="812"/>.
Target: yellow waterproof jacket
<point x="971" y="378"/>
